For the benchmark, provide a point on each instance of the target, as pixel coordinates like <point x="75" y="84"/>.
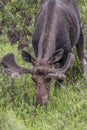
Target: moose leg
<point x="81" y="55"/>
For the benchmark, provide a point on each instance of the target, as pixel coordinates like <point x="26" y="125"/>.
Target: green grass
<point x="67" y="107"/>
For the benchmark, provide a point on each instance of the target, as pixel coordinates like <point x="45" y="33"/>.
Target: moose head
<point x="42" y="71"/>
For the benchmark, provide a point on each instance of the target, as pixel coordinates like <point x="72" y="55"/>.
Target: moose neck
<point x="47" y="40"/>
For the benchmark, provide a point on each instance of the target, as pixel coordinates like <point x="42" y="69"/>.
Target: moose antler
<point x="60" y="73"/>
<point x="11" y="67"/>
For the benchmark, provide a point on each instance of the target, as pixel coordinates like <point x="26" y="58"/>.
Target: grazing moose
<point x="57" y="31"/>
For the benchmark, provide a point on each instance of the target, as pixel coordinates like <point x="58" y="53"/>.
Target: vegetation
<point x="67" y="107"/>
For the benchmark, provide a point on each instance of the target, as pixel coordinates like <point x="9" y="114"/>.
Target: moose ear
<point x="57" y="55"/>
<point x="27" y="57"/>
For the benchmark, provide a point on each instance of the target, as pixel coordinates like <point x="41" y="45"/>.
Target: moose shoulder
<point x="57" y="31"/>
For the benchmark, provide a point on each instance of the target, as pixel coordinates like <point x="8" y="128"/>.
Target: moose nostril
<point x="42" y="101"/>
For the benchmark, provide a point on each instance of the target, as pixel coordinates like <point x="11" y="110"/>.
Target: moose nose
<point x="42" y="101"/>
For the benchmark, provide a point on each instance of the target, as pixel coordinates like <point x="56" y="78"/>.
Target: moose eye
<point x="34" y="77"/>
<point x="47" y="78"/>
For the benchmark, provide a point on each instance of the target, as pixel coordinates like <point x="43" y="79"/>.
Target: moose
<point x="57" y="31"/>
